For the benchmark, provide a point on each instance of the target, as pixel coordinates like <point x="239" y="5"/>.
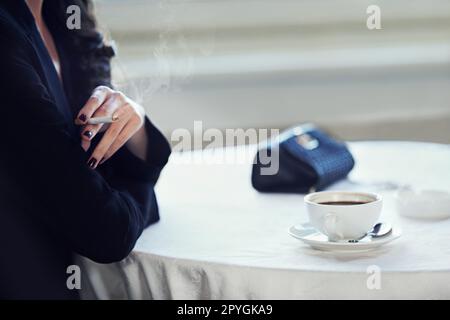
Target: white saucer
<point x="306" y="233"/>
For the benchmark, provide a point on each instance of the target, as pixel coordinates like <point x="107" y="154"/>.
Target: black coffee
<point x="343" y="203"/>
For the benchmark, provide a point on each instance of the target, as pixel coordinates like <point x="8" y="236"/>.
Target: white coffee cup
<point x="343" y="215"/>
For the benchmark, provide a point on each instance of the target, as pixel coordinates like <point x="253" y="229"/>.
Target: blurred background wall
<point x="275" y="63"/>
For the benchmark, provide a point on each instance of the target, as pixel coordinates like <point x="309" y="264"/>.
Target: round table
<point x="218" y="238"/>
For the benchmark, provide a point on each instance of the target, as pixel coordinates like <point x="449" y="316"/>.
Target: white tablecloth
<point x="220" y="239"/>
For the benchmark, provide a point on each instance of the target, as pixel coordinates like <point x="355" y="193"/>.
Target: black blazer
<point x="52" y="204"/>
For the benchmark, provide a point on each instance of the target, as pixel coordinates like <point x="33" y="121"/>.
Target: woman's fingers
<point x="98" y="97"/>
<point x="85" y="144"/>
<point x="89" y="131"/>
<point x="128" y="131"/>
<point x="110" y="107"/>
<point x="107" y="140"/>
<point x="123" y="112"/>
<point x="127" y="119"/>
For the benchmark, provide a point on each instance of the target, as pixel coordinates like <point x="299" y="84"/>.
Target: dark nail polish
<point x="88" y="134"/>
<point x="91" y="163"/>
<point x="82" y="117"/>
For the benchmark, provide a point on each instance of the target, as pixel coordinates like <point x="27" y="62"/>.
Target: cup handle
<point x="330" y="225"/>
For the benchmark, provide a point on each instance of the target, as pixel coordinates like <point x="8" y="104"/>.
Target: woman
<point x="66" y="186"/>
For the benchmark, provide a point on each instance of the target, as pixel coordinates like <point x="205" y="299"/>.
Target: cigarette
<point x="99" y="120"/>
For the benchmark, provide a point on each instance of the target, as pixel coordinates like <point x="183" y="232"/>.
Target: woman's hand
<point x="128" y="120"/>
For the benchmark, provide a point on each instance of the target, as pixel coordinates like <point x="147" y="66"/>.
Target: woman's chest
<point x="50" y="45"/>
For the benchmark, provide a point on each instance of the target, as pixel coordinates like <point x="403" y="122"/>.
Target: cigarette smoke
<point x="172" y="59"/>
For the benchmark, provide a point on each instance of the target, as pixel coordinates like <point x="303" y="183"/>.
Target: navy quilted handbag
<point x="308" y="160"/>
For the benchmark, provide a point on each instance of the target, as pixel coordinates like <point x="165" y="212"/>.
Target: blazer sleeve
<point x="125" y="171"/>
<point x="99" y="217"/>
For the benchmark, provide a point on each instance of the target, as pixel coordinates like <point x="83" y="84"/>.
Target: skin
<point x="127" y="130"/>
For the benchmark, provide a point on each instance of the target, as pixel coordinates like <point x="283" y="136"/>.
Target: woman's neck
<point x="35" y="7"/>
